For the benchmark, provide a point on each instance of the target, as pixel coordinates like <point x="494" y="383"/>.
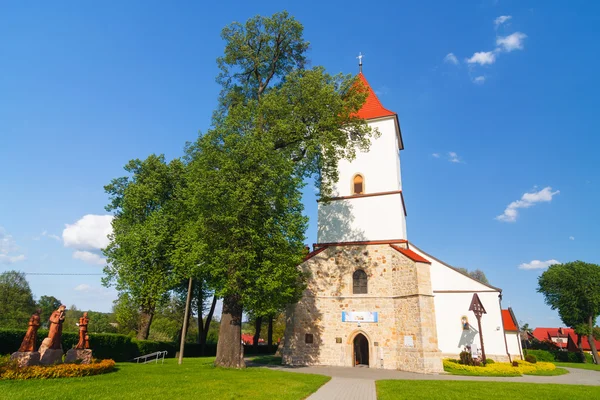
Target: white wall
<point x="363" y="218"/>
<point x="379" y="166"/>
<point x="514" y="344"/>
<point x="453" y="293"/>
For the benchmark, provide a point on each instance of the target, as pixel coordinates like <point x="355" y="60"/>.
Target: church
<point x="375" y="299"/>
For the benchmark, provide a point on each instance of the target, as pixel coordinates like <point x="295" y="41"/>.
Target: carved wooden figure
<point x="83" y="335"/>
<point x="30" y="338"/>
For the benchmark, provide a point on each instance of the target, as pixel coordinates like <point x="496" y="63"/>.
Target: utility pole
<point x="186" y="317"/>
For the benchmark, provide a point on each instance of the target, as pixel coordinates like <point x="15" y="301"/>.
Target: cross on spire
<point x="360" y="57"/>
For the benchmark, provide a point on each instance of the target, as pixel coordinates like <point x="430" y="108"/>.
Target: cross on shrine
<point x="478" y="309"/>
<point x="360" y="57"/>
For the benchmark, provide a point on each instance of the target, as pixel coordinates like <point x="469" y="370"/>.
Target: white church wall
<point x="376" y="166"/>
<point x="360" y="219"/>
<point x="452" y="338"/>
<point x="514" y="344"/>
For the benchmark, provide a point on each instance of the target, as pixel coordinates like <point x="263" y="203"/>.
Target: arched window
<point x="359" y="282"/>
<point x="358" y="184"/>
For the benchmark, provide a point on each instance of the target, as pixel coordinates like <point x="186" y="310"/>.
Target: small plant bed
<point x="466" y="390"/>
<point x="503" y="369"/>
<point x="588" y="366"/>
<point x="10" y="370"/>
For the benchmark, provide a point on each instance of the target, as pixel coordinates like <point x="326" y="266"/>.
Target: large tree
<point x="145" y="206"/>
<point x="16" y="300"/>
<point x="574" y="290"/>
<point x="277" y="124"/>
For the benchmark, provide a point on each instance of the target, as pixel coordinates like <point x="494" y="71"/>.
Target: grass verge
<point x="589" y="366"/>
<point x="195" y="378"/>
<point x="465" y="390"/>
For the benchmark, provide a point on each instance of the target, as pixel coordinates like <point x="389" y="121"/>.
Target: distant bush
<point x="530" y="358"/>
<point x="489" y="361"/>
<point x="541" y="355"/>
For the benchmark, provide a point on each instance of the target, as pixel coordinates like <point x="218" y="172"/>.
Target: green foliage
<point x="574" y="290"/>
<point x="531" y="358"/>
<point x="466" y="358"/>
<point x="127" y="314"/>
<point x="489" y="361"/>
<point x="16" y="300"/>
<point x="542" y="355"/>
<point x="476" y="274"/>
<point x="47" y="304"/>
<point x="145" y="222"/>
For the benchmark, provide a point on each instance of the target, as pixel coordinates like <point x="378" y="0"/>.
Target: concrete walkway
<point x="359" y="383"/>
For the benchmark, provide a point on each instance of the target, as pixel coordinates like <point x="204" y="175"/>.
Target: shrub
<point x="542" y="355"/>
<point x="530" y="358"/>
<point x="489" y="361"/>
<point x="10" y="371"/>
<point x="466" y="358"/>
<point x="515" y="364"/>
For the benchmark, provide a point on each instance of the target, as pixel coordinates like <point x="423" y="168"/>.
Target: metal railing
<point x="152" y="357"/>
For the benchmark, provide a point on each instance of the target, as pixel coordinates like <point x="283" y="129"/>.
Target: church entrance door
<point x="361" y="350"/>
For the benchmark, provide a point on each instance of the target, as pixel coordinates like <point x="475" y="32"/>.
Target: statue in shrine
<point x="30" y="338"/>
<point x="84" y="339"/>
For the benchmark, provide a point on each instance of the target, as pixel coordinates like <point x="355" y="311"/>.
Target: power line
<point x="59" y="274"/>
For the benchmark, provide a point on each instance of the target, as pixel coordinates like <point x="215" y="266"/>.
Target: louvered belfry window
<point x="359" y="282"/>
<point x="358" y="185"/>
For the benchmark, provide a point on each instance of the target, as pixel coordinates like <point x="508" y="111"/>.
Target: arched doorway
<point x="361" y="350"/>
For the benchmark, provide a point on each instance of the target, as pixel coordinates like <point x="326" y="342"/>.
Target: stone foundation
<point x="51" y="357"/>
<point x="26" y="358"/>
<point x="73" y="355"/>
<point x="399" y="291"/>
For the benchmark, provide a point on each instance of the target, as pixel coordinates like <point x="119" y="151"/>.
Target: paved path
<point x="359" y="383"/>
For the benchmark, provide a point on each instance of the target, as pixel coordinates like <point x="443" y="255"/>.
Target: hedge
<point x="119" y="347"/>
<point x="557" y="355"/>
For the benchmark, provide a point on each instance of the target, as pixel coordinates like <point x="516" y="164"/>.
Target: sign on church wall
<point x="359" y="316"/>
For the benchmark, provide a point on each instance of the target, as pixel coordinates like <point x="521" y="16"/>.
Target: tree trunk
<point x="257" y="327"/>
<point x="145" y="322"/>
<point x="580" y="347"/>
<point x="270" y="332"/>
<point x="207" y="323"/>
<point x="592" y="340"/>
<point x="230" y="352"/>
<point x="200" y="304"/>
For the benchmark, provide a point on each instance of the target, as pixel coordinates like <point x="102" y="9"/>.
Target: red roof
<point x="372" y="107"/>
<point x="411" y="254"/>
<point x="509" y="323"/>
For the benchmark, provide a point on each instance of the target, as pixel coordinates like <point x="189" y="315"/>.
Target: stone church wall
<point x="399" y="290"/>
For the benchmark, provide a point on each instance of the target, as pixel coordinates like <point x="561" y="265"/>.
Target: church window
<point x="358" y="184"/>
<point x="359" y="282"/>
<point x="308" y="338"/>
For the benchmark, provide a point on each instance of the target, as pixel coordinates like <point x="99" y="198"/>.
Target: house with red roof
<point x="375" y="299"/>
<point x="563" y="338"/>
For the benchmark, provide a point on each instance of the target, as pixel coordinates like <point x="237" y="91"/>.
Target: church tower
<point x="368" y="204"/>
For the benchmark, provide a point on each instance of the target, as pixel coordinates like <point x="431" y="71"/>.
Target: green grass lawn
<point x="464" y="390"/>
<point x="195" y="378"/>
<point x="594" y="367"/>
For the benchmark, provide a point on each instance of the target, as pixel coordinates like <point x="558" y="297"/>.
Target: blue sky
<point x="85" y="88"/>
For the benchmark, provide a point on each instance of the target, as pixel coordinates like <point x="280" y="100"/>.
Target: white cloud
<point x="453" y="157"/>
<point x="511" y="42"/>
<point x="51" y="236"/>
<point x="537" y="264"/>
<point x="482" y="58"/>
<point x="89" y="233"/>
<point x="527" y="200"/>
<point x="84" y="287"/>
<point x="451" y="59"/>
<point x="479" y="80"/>
<point x="501" y="19"/>
<point x="571" y="237"/>
<point x="436" y="155"/>
<point x="89" y="257"/>
<point x="8" y="248"/>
